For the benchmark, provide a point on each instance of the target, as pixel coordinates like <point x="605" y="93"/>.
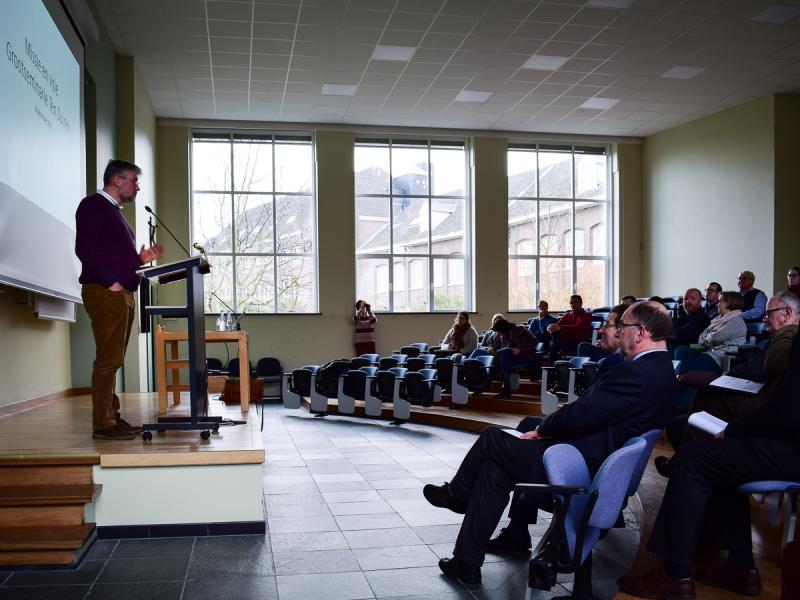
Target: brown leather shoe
<point x="112" y="433"/>
<point x="123" y="425"/>
<point x="657" y="584"/>
<point x="742" y="581"/>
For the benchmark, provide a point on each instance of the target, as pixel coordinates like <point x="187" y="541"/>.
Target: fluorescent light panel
<point x="681" y="72"/>
<point x="542" y="62"/>
<point x="396" y="53"/>
<point x="472" y="96"/>
<point x="600" y="103"/>
<point x="336" y="89"/>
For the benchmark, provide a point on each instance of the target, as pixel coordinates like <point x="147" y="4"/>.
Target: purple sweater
<point x="105" y="244"/>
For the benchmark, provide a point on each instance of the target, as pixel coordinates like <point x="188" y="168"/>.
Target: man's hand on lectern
<point x="154" y="252"/>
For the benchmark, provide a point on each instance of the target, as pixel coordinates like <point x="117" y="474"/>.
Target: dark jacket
<point x="687" y="328"/>
<point x="626" y="400"/>
<point x="780" y="415"/>
<point x="105" y="244"/>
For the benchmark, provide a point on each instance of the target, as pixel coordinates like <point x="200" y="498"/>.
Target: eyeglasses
<point x="772" y="310"/>
<point x="133" y="181"/>
<point x="710" y="289"/>
<point x="793" y="275"/>
<point x="620" y="326"/>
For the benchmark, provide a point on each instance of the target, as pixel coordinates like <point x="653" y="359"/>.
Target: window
<point x="556" y="195"/>
<point x="253" y="210"/>
<point x="412" y="213"/>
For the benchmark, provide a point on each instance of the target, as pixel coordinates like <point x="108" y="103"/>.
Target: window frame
<point x="429" y="257"/>
<point x="608" y="258"/>
<point x="275" y="137"/>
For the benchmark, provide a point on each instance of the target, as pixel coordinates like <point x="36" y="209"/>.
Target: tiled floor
<point x="347" y="520"/>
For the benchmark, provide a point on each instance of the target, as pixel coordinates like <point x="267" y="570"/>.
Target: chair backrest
<point x="213" y="366"/>
<point x="650" y="438"/>
<point x="564" y="465"/>
<point x="400" y="358"/>
<point x="415" y="363"/>
<point x="410" y="351"/>
<point x="327" y="381"/>
<point x="358" y="362"/>
<point x="590" y="369"/>
<point x="475" y="374"/>
<point x="423" y="347"/>
<point x="384" y="382"/>
<point x="576" y="362"/>
<point x="268" y="367"/>
<point x="387" y="362"/>
<point x="234" y="370"/>
<point x="444" y="368"/>
<point x="562" y="375"/>
<point x="301" y="381"/>
<point x="417" y="387"/>
<point x="372" y="358"/>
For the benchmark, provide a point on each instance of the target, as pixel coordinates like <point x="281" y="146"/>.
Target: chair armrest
<point x="546" y="488"/>
<point x="549" y="369"/>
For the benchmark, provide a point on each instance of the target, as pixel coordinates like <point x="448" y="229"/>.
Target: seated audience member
<point x="492" y="341"/>
<point x="538" y="326"/>
<point x="726" y="332"/>
<point x="701" y="496"/>
<point x="712" y="297"/>
<point x="627" y="300"/>
<point x="519" y="349"/>
<point x="607" y="343"/>
<point x="626" y="400"/>
<point x="687" y="328"/>
<point x="754" y="301"/>
<point x="793" y="281"/>
<point x="462" y="337"/>
<point x="574" y="327"/>
<point x="782" y="318"/>
<point x="658" y="299"/>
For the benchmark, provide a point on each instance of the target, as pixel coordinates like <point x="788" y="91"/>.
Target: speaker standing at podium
<point x="106" y="247"/>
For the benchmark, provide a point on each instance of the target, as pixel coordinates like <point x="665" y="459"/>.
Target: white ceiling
<point x="268" y="60"/>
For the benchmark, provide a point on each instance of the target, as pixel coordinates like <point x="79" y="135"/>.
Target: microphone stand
<point x="205" y="267"/>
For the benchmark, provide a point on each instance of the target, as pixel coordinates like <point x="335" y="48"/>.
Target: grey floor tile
<point x="242" y="587"/>
<point x="153" y="548"/>
<point x="301" y="510"/>
<point x="437" y="534"/>
<point x="101" y="549"/>
<point x="401" y="494"/>
<point x="431" y="516"/>
<point x="410" y="582"/>
<point x="144" y="569"/>
<point x="344" y="486"/>
<point x="387" y="521"/>
<point x="396" y="484"/>
<point x="373" y="538"/>
<point x="50" y="592"/>
<point x="321" y="561"/>
<point x="231" y="545"/>
<point x="294" y="499"/>
<point x="373" y="507"/>
<point x="300" y="542"/>
<point x="204" y="567"/>
<point x="416" y="503"/>
<point x="358" y="496"/>
<point x="302" y="524"/>
<point x="396" y="557"/>
<point x="86" y="573"/>
<point x="158" y="590"/>
<point x="271" y="488"/>
<point x="388" y="473"/>
<point x="330" y="586"/>
<point x="462" y="595"/>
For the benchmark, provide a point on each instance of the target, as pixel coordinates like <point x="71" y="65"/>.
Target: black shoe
<point x="508" y="542"/>
<point x="663" y="466"/>
<point x="454" y="567"/>
<point x="123" y="425"/>
<point x="112" y="433"/>
<point x="503" y="393"/>
<point x="439" y="495"/>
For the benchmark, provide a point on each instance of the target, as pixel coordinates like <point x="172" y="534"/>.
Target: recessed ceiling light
<point x="610" y="3"/>
<point x="398" y="53"/>
<point x="335" y="89"/>
<point x="599" y="103"/>
<point x="679" y="72"/>
<point x="777" y="13"/>
<point x="472" y="96"/>
<point x="542" y="62"/>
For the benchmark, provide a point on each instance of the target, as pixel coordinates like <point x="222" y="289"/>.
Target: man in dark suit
<point x="626" y="400"/>
<point x="762" y="446"/>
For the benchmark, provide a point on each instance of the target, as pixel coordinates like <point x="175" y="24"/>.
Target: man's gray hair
<point x="790" y="300"/>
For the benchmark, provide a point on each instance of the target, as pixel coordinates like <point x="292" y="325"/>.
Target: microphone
<point x="199" y="248"/>
<point x="181" y="246"/>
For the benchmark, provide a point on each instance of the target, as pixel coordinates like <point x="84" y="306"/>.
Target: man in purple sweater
<point x="106" y="247"/>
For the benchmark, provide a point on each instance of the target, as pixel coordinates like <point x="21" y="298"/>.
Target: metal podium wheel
<point x="147" y="436"/>
<point x="205" y="434"/>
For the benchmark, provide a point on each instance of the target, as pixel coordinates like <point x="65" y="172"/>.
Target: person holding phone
<point x="364" y="321"/>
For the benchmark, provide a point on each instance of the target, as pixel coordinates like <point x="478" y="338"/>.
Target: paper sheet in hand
<point x="707" y="422"/>
<point x="738" y="384"/>
<point x="513" y="432"/>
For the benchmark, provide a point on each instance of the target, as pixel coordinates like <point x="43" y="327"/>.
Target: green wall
<point x="709" y="201"/>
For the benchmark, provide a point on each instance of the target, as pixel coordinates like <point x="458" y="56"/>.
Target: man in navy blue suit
<point x="626" y="400"/>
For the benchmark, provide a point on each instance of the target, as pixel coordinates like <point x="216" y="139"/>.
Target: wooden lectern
<point x="191" y="270"/>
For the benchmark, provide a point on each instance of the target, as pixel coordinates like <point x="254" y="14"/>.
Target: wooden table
<point x="175" y="364"/>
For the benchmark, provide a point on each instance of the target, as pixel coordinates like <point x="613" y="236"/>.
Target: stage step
<point x="51" y="492"/>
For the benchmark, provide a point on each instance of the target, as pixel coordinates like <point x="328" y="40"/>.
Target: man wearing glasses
<point x="712" y="298"/>
<point x="106" y="247"/>
<point x="626" y="400"/>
